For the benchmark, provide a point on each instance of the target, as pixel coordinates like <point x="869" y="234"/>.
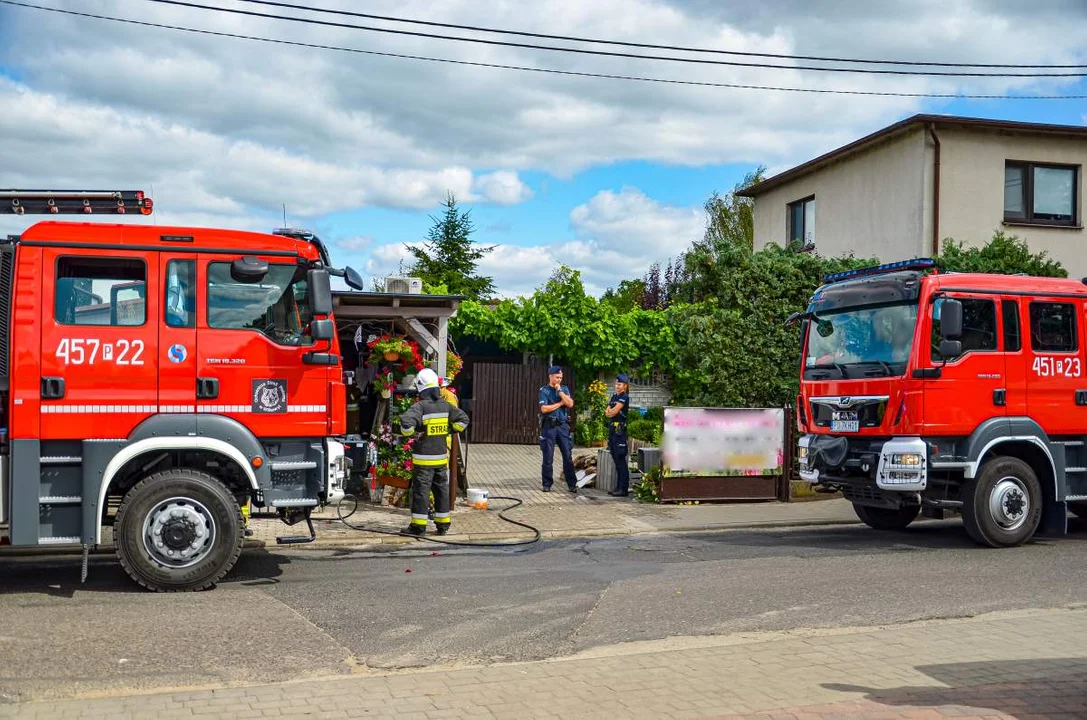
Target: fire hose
<point x="400" y="533"/>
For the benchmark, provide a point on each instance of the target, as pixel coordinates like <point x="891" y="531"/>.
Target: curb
<point x="363" y="539"/>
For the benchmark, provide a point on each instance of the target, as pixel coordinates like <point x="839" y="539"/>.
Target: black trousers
<point x="617" y="446"/>
<point x="550" y="436"/>
<point x="424" y="480"/>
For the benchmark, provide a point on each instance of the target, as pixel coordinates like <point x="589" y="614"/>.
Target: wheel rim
<point x="178" y="533"/>
<point x="1009" y="503"/>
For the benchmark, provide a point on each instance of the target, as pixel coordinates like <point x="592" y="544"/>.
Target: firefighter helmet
<point x="426" y="378"/>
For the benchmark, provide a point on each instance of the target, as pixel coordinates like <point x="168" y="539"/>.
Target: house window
<point x="1040" y="194"/>
<point x="802" y="221"/>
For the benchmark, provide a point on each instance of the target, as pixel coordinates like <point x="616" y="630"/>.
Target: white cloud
<point x="502" y="188"/>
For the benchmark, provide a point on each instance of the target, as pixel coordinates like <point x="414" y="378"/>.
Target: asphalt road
<point x="295" y="614"/>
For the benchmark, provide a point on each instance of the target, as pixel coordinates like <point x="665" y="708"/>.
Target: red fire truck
<point x="933" y="393"/>
<point x="159" y="379"/>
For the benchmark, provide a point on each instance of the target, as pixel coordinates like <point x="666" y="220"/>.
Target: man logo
<point x="178" y="353"/>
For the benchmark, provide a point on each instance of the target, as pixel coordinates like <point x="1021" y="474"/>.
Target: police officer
<point x="555" y="403"/>
<point x="433" y="418"/>
<point x="617" y="409"/>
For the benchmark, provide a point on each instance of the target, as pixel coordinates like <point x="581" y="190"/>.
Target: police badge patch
<point x="269" y="396"/>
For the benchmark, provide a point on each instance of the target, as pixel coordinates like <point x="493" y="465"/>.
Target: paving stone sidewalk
<point x="1014" y="665"/>
<point x="514" y="471"/>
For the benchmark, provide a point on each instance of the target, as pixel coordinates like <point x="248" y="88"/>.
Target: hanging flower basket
<point x="390" y="347"/>
<point x="392" y="356"/>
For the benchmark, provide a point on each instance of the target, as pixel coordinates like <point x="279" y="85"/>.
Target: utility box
<point x="606" y="477"/>
<point x="648" y="458"/>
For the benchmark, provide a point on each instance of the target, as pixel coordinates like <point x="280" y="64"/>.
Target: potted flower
<point x="453" y="366"/>
<point x="385" y="383"/>
<point x="390" y="347"/>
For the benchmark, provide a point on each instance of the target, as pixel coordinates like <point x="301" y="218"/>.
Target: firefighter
<point x="616" y="411"/>
<point x="433" y="418"/>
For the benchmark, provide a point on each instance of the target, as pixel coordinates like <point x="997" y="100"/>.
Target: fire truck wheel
<point x="178" y="530"/>
<point x="1002" y="506"/>
<point x="886" y="518"/>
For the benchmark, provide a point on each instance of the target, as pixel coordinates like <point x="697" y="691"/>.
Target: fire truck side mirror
<point x="950" y="349"/>
<point x="951" y="319"/>
<point x="320" y="292"/>
<point x="322" y="329"/>
<point x="353" y="279"/>
<point x="248" y="269"/>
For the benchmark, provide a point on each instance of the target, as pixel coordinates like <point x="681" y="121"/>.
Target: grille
<point x="7" y="262"/>
<point x="869" y="412"/>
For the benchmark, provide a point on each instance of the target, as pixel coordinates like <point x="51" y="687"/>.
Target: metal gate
<point x="505" y="402"/>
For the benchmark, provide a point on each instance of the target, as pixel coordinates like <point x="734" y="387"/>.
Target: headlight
<point x="906" y="460"/>
<point x="802" y="453"/>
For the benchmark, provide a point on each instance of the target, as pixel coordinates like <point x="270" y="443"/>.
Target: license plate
<point x="845" y="422"/>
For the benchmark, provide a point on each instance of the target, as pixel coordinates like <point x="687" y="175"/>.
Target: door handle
<point x="1000" y="397"/>
<point x="52" y="388"/>
<point x="1081" y="397"/>
<point x="207" y="388"/>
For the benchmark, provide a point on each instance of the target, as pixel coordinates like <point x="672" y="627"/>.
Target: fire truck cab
<point x="160" y="379"/>
<point x="927" y="393"/>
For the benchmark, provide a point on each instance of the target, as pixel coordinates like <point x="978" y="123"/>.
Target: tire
<point x="886" y="518"/>
<point x="192" y="515"/>
<point x="1002" y="506"/>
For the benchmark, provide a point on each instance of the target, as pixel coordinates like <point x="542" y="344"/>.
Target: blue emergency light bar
<point x="915" y="264"/>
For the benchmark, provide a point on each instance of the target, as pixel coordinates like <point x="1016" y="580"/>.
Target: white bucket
<point x="477" y="498"/>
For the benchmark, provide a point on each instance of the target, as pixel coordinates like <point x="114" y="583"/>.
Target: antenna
<point x="284" y="214"/>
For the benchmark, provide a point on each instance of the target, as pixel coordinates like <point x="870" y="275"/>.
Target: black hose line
<point x="400" y="533"/>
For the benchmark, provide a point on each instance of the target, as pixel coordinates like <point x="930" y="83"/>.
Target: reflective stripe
<point x="441" y="521"/>
<point x="424" y="458"/>
<point x="417" y="521"/>
<point x="441" y="515"/>
<point x="419" y="516"/>
<point x="459" y="427"/>
<point x="431" y="463"/>
<point x="435" y="416"/>
<point x="407" y="431"/>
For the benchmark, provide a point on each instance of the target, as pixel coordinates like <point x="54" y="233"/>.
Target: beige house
<point x="899" y="192"/>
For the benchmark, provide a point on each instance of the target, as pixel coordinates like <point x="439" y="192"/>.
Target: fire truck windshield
<point x="276" y="306"/>
<point x="860" y="342"/>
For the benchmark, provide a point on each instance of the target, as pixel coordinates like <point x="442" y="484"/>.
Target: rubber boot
<point x="415" y="530"/>
<point x="442" y="528"/>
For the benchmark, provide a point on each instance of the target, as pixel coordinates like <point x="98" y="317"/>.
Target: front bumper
<point x="897" y="464"/>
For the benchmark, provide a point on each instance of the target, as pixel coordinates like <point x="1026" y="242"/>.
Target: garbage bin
<point x="606" y="477"/>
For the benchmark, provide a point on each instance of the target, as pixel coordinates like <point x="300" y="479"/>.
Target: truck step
<point x="61" y="460"/>
<point x="294" y="502"/>
<point x="1069" y="443"/>
<point x="60" y="500"/>
<point x="1075" y="498"/>
<point x="286" y="466"/>
<point x="58" y="541"/>
<point x="1075" y="469"/>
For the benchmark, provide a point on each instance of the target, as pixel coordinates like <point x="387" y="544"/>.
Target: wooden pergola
<point x="424" y="317"/>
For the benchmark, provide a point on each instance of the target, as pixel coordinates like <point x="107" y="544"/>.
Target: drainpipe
<point x="935" y="190"/>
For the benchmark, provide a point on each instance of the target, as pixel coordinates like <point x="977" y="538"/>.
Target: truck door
<point x="181" y="296"/>
<point x="251" y="350"/>
<point x="970" y="388"/>
<point x="1055" y="365"/>
<point x="99" y="352"/>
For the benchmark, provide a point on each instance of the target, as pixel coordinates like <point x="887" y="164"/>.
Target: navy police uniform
<point x="555" y="430"/>
<point x="617" y="438"/>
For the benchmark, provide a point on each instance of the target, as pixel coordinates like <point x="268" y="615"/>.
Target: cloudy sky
<point x="604" y="175"/>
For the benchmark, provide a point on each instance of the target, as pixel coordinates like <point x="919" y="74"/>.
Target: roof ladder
<point x="74" y="202"/>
